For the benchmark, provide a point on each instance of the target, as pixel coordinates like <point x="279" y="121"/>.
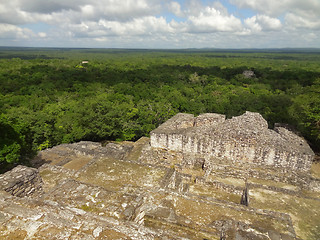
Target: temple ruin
<point x="196" y="178"/>
<point x="244" y="139"/>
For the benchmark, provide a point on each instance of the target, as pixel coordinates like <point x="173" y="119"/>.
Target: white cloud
<point x="296" y="21"/>
<point x="9" y="31"/>
<point x="28" y="11"/>
<point x="218" y="6"/>
<point x="212" y="20"/>
<point x="139" y="26"/>
<point x="277" y="7"/>
<point x="125" y="10"/>
<point x="193" y="7"/>
<point x="42" y="34"/>
<point x="147" y="23"/>
<point x="263" y="23"/>
<point x="88" y="11"/>
<point x="38" y="6"/>
<point x="175" y="8"/>
<point x="297" y="13"/>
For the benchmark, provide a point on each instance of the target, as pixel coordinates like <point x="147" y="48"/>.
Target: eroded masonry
<point x="245" y="139"/>
<point x="202" y="177"/>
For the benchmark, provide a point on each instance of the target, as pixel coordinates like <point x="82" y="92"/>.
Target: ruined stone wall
<point x="21" y="181"/>
<point x="245" y="138"/>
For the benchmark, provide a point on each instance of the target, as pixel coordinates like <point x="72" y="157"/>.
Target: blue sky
<point x="160" y="24"/>
<point x="37" y="27"/>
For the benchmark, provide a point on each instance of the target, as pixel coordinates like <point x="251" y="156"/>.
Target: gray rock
<point x="21" y="181"/>
<point x="249" y="74"/>
<point x="245" y="139"/>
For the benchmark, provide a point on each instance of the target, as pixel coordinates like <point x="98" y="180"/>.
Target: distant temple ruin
<point x="244" y="139"/>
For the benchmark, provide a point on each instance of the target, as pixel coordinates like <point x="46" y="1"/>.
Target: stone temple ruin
<point x="245" y="139"/>
<point x="202" y="177"/>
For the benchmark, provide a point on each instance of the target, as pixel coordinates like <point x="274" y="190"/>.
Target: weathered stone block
<point x="21" y="181"/>
<point x="244" y="138"/>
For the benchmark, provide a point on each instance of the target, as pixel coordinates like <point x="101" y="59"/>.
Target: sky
<point x="162" y="24"/>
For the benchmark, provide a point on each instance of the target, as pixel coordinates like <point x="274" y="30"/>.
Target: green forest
<point x="54" y="96"/>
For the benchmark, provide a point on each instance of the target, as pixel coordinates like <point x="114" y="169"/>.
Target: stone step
<point x="135" y="153"/>
<point x="156" y="206"/>
<point x="24" y="218"/>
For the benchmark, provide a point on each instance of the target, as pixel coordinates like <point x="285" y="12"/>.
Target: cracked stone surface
<point x="134" y="191"/>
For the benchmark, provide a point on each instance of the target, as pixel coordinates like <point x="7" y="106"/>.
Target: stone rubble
<point x="21" y="181"/>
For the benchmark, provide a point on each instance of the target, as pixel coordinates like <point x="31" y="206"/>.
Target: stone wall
<point x="21" y="181"/>
<point x="244" y="138"/>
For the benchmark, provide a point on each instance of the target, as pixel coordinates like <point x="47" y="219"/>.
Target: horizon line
<point x="190" y="48"/>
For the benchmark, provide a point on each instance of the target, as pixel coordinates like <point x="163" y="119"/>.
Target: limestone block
<point x="21" y="181"/>
<point x="244" y="138"/>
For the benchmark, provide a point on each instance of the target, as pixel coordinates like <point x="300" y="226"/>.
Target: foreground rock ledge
<point x="139" y="190"/>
